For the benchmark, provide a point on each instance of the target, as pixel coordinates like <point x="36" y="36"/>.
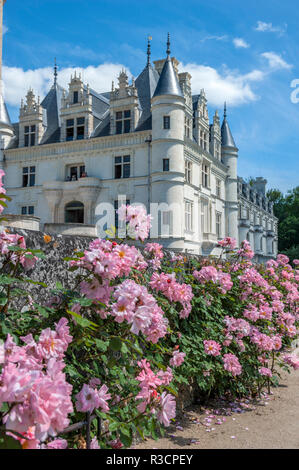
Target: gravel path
<point x="270" y="423"/>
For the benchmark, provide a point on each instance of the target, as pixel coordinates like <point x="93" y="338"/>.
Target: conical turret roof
<point x="4" y="116"/>
<point x="227" y="139"/>
<point x="168" y="83"/>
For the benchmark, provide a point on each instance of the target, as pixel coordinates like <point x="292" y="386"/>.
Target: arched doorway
<point x="74" y="213"/>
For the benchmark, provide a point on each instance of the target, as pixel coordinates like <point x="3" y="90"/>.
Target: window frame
<point x="188" y="171"/>
<point x="218" y="224"/>
<point x="122" y="166"/>
<point x="166" y="164"/>
<point x="29" y="210"/>
<point x="218" y="188"/>
<point x="205" y="175"/>
<point x="166" y="122"/>
<point x="28" y="176"/>
<point x="123" y="121"/>
<point x="29" y="135"/>
<point x="188" y="216"/>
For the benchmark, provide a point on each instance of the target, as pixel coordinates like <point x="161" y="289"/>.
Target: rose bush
<point x="135" y="327"/>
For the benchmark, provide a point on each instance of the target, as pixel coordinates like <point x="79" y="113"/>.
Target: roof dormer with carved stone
<point x="124" y="106"/>
<point x="32" y="121"/>
<point x="76" y="111"/>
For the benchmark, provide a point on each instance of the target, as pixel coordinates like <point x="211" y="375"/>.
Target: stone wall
<point x="55" y="247"/>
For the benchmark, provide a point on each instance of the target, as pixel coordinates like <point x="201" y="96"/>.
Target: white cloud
<point x="240" y="43"/>
<point x="230" y="86"/>
<point x="215" y="38"/>
<point x="268" y="27"/>
<point x="17" y="81"/>
<point x="4" y="29"/>
<point x="276" y="61"/>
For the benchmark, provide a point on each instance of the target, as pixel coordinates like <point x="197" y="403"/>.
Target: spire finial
<point x="149" y="50"/>
<point x="224" y="110"/>
<point x="168" y="45"/>
<point x="55" y="72"/>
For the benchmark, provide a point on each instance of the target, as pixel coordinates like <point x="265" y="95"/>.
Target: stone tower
<point x="167" y="160"/>
<point x="229" y="155"/>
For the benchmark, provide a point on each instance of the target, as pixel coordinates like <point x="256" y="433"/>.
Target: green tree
<point x="286" y="209"/>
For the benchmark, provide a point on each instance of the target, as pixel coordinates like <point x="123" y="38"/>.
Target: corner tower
<point x="229" y="155"/>
<point x="167" y="159"/>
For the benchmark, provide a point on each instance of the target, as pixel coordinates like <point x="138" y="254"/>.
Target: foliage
<point x="134" y="329"/>
<point x="286" y="208"/>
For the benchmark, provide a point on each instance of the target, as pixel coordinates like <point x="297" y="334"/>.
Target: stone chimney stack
<point x="259" y="184"/>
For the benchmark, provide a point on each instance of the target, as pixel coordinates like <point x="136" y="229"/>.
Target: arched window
<point x="74" y="213"/>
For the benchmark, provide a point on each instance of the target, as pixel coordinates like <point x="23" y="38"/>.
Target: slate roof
<point x="227" y="139"/>
<point x="4" y="116"/>
<point x="146" y="84"/>
<point x="168" y="83"/>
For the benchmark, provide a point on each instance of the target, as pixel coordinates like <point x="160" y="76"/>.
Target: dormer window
<point x="80" y="129"/>
<point x="203" y="140"/>
<point x="76" y="97"/>
<point x="29" y="136"/>
<point x="70" y="129"/>
<point x="123" y="121"/>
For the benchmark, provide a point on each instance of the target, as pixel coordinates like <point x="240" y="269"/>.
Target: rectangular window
<point x="218" y="187"/>
<point x="123" y="122"/>
<point x="127" y="126"/>
<point x="75" y="172"/>
<point x="218" y="224"/>
<point x="205" y="141"/>
<point x="122" y="167"/>
<point x="188" y="216"/>
<point x="32" y="176"/>
<point x="205" y="216"/>
<point x="166" y="122"/>
<point x="119" y="125"/>
<point x="28" y="176"/>
<point x="80" y="128"/>
<point x="205" y="175"/>
<point x="187" y="127"/>
<point x="29" y="135"/>
<point x="188" y="171"/>
<point x="27" y="210"/>
<point x="76" y="97"/>
<point x="165" y="164"/>
<point x="70" y="129"/>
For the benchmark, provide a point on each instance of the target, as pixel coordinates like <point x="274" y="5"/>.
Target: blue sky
<point x="246" y="53"/>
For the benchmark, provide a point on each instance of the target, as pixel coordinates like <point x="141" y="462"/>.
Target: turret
<point x="229" y="155"/>
<point x="168" y="128"/>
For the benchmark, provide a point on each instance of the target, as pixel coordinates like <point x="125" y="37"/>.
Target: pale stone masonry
<point x="150" y="141"/>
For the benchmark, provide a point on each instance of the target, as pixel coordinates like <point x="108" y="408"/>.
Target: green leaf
<point x="8" y="442"/>
<point x="126" y="440"/>
<point x="82" y="321"/>
<point x="101" y="345"/>
<point x="113" y="426"/>
<point x="115" y="344"/>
